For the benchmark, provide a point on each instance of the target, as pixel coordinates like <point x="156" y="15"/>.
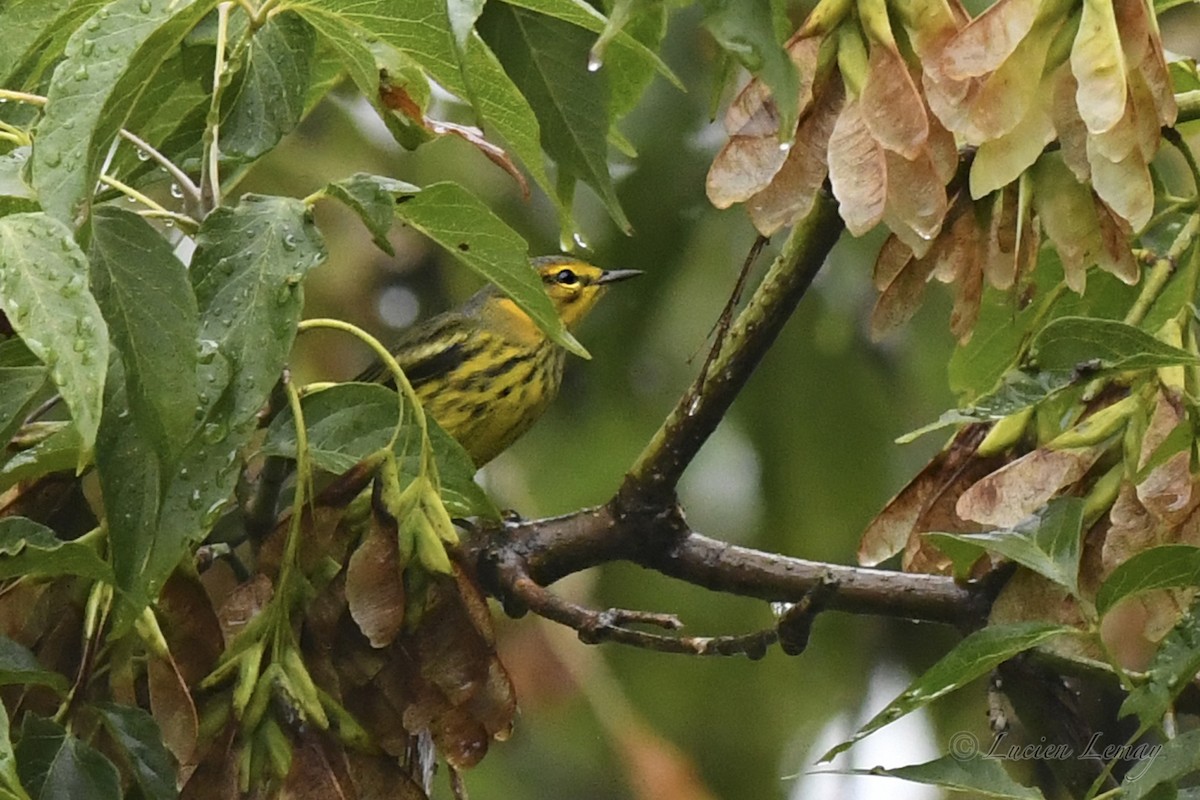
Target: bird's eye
<point x="566" y="277"/>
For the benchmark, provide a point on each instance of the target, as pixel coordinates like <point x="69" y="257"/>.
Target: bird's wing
<point x="429" y="350"/>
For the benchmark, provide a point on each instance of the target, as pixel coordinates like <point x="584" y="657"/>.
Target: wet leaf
<point x="547" y="59"/>
<point x="373" y="198"/>
<point x="744" y="28"/>
<point x="144" y="293"/>
<point x="267" y="97"/>
<point x="1177" y="758"/>
<point x="87" y="101"/>
<point x="43" y="285"/>
<point x="754" y="153"/>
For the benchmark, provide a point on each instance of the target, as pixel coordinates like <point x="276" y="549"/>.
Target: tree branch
<point x="515" y="561"/>
<point x="652" y="479"/>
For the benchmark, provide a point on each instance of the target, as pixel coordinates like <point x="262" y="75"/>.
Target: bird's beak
<point x="614" y="275"/>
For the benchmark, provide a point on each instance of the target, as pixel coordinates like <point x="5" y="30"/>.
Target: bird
<point x="486" y="371"/>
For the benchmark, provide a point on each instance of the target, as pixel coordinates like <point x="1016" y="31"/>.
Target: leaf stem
<point x="406" y="390"/>
<point x="210" y="176"/>
<point x="191" y="191"/>
<point x="303" y="488"/>
<point x="23" y="97"/>
<point x="1162" y="270"/>
<point x="156" y="209"/>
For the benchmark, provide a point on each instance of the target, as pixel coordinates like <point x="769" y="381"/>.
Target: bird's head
<point x="574" y="286"/>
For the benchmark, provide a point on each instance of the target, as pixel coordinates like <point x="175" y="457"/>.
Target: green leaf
<point x="350" y="421"/>
<point x="16" y="196"/>
<point x="24" y="22"/>
<point x="30" y="548"/>
<point x="1166" y="763"/>
<point x="57" y="452"/>
<point x="1167" y="567"/>
<point x="169" y="116"/>
<point x="466" y="228"/>
<point x="43" y="284"/>
<point x="1018" y="389"/>
<point x="974" y="656"/>
<point x="1068" y="342"/>
<point x="962" y="552"/>
<point x="984" y="777"/>
<point x="745" y="29"/>
<point x="462" y="15"/>
<point x="408" y="26"/>
<point x="10" y="781"/>
<point x="147" y="301"/>
<point x="346" y="423"/>
<point x="547" y="60"/>
<point x="19" y="666"/>
<point x="35" y="31"/>
<point x="109" y="62"/>
<point x="1048" y="543"/>
<point x="348" y="41"/>
<point x="1003" y="330"/>
<point x="266" y="99"/>
<point x="1175" y="663"/>
<point x="624" y="45"/>
<point x="141" y="740"/>
<point x="373" y="198"/>
<point x="505" y="111"/>
<point x="247" y="271"/>
<point x="54" y="764"/>
<point x="20" y="388"/>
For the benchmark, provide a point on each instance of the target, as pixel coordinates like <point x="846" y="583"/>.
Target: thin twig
<point x="210" y="177"/>
<point x="595" y="626"/>
<point x="720" y="328"/>
<point x="549" y="549"/>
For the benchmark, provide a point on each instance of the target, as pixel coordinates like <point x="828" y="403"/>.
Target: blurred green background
<point x="801" y="464"/>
